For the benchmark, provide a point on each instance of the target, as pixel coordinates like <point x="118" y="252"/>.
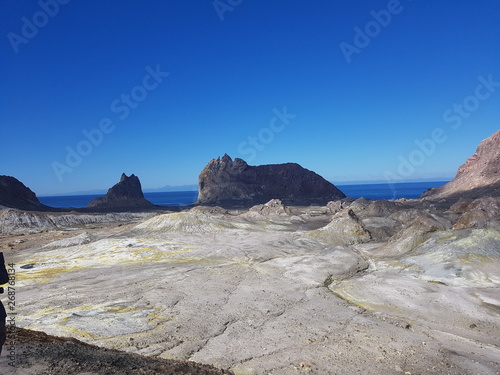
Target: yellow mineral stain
<point x="447" y="238"/>
<point x="75" y="332"/>
<point x="44" y="271"/>
<point x="342" y="293"/>
<point x="45" y="274"/>
<point x="471" y="258"/>
<point x="120" y="309"/>
<point x="44" y="311"/>
<point x="436" y="282"/>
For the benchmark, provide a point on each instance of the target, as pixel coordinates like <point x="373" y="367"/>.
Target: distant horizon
<point x="172" y="188"/>
<point x="376" y="191"/>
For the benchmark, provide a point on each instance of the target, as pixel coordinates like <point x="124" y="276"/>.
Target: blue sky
<point x="356" y="91"/>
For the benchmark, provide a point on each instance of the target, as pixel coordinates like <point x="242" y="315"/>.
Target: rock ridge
<point x="479" y="176"/>
<point x="14" y="194"/>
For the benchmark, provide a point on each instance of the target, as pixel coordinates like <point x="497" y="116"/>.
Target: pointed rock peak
<point x="132" y="179"/>
<point x="125" y="194"/>
<point x="221" y="163"/>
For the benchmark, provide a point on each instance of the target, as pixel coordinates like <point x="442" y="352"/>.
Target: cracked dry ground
<point x="251" y="296"/>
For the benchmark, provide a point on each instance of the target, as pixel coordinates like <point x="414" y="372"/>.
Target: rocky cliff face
<point x="224" y="181"/>
<point x="479" y="176"/>
<point x="127" y="194"/>
<point x="14" y="194"/>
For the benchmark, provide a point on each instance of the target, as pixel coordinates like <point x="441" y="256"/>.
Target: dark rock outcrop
<point x="479" y="176"/>
<point x="14" y="194"/>
<point x="127" y="194"/>
<point x="224" y="181"/>
<point x="61" y="355"/>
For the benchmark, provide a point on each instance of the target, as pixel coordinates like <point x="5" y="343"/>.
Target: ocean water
<point x="407" y="190"/>
<point x="173" y="198"/>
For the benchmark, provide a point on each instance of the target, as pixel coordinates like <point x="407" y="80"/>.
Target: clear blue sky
<point x="362" y="82"/>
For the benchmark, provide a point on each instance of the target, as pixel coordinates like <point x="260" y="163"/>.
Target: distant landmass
<point x="169" y="188"/>
<point x="164" y="189"/>
<point x="193" y="187"/>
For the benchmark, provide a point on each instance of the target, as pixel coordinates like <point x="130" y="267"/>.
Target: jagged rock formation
<point x="479" y="176"/>
<point x="127" y="194"/>
<point x="14" y="194"/>
<point x="224" y="181"/>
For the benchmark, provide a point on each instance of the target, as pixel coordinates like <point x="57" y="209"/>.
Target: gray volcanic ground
<point x="408" y="287"/>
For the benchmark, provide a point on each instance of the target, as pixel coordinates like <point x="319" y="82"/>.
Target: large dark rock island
<point x="224" y="181"/>
<point x="127" y="194"/>
<point x="14" y="194"/>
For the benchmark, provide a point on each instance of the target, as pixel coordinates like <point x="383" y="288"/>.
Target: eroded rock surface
<point x="377" y="287"/>
<point x="22" y="222"/>
<point x="479" y="213"/>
